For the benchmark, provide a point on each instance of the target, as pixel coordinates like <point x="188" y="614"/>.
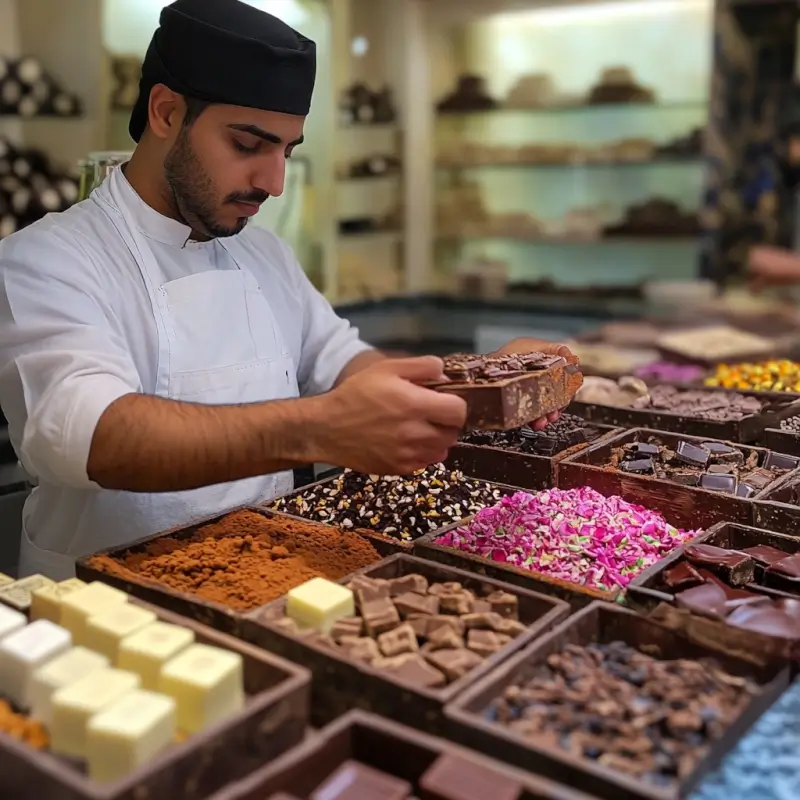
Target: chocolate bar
<point x="452" y="777"/>
<point x="508" y="391"/>
<point x="737" y="569"/>
<point x="355" y="781"/>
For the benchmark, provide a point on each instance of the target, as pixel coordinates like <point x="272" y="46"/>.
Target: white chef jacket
<point x="111" y="297"/>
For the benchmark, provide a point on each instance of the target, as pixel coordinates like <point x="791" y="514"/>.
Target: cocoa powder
<point x="245" y="559"/>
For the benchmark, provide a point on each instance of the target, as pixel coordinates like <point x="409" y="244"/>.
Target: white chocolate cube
<point x="146" y="651"/>
<point x="74" y="705"/>
<point x="64" y="670"/>
<point x="105" y="631"/>
<point x="23" y="652"/>
<point x="11" y="621"/>
<point x="318" y="604"/>
<point x="18" y="593"/>
<point x="129" y="733"/>
<point x="46" y="600"/>
<point x="78" y="606"/>
<point x="5" y="579"/>
<point x="207" y="683"/>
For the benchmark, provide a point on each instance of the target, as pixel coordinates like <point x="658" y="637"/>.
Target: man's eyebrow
<point x="273" y="138"/>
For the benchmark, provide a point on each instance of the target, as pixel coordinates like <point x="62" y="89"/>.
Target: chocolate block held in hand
<point x="508" y="391"/>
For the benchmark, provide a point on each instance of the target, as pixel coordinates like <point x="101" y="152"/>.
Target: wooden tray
<point x="273" y="720"/>
<point x="383" y="745"/>
<point x="645" y="596"/>
<point x="517" y="469"/>
<point x="600" y="622"/>
<point x="340" y="684"/>
<point x="743" y="431"/>
<point x="773" y="511"/>
<point x="213" y="614"/>
<point x="782" y="441"/>
<point x="686" y="506"/>
<point x="386" y="545"/>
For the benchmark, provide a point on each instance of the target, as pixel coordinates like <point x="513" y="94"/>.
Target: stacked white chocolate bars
<point x="112" y="684"/>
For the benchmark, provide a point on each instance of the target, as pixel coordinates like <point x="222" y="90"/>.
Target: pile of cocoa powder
<point x="245" y="559"/>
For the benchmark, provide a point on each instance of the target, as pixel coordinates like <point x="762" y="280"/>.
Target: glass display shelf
<point x="580" y="108"/>
<point x="674" y="161"/>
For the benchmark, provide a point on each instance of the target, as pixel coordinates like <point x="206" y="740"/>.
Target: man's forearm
<point x="149" y="444"/>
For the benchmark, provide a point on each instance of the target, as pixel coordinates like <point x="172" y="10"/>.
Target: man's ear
<point x="166" y="110"/>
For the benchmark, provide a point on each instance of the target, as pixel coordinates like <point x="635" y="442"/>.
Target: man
<point x="159" y="359"/>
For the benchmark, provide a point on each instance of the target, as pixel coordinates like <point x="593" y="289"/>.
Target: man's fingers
<point x="554" y="417"/>
<point x="440" y="408"/>
<point x="416" y="370"/>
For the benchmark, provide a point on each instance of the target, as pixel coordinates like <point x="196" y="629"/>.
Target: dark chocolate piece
<point x="758" y="478"/>
<point x="356" y="781"/>
<point x="691" y="454"/>
<point x="718" y="483"/>
<point x="743" y="490"/>
<point x="721" y="469"/>
<point x="765" y="554"/>
<point x="780" y="461"/>
<point x="707" y="600"/>
<point x="686" y="478"/>
<point x="768" y="621"/>
<point x="682" y="576"/>
<point x="737" y="569"/>
<point x="452" y="777"/>
<point x="640" y="465"/>
<point x="646" y="449"/>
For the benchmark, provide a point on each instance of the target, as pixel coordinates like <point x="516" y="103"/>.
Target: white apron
<point x="218" y="343"/>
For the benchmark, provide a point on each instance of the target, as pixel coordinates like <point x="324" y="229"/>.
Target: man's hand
<point x="537" y="346"/>
<point x="772" y="266"/>
<point x="380" y="421"/>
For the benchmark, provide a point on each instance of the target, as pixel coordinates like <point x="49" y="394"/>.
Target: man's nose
<point x="271" y="177"/>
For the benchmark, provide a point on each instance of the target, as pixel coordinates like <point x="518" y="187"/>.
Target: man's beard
<point x="193" y="191"/>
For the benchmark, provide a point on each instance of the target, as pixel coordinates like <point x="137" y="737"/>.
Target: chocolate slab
<point x="273" y="720"/>
<point x="603" y="623"/>
<point x="778" y="507"/>
<point x="747" y="430"/>
<point x="502" y="403"/>
<point x="340" y="683"/>
<point x="688" y="505"/>
<point x="406" y="754"/>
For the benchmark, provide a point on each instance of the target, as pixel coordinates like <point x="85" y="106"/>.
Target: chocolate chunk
<point x="768" y="621"/>
<point x="453" y="777"/>
<point x="412" y="669"/>
<point x="510" y="627"/>
<point x="380" y="616"/>
<point x="286" y="624"/>
<point x="758" y="478"/>
<point x="368" y="589"/>
<point x="691" y="454"/>
<point x="454" y="663"/>
<point x="639" y="466"/>
<point x="355" y="781"/>
<point x="718" y="483"/>
<point x="790" y="606"/>
<point x="486" y="643"/>
<point x="646" y="449"/>
<point x="503" y="603"/>
<point x="413" y="603"/>
<point x="707" y="600"/>
<point x="408" y="583"/>
<point x="481" y="606"/>
<point x="486" y="622"/>
<point x="737" y="569"/>
<point x="685" y="478"/>
<point x="721" y="469"/>
<point x="360" y="648"/>
<point x="419" y="622"/>
<point x="448" y="587"/>
<point x="454" y="623"/>
<point x="442" y="639"/>
<point x="398" y="641"/>
<point x="764" y="554"/>
<point x="780" y="461"/>
<point x="682" y="576"/>
<point x="784" y="574"/>
<point x="456" y="603"/>
<point x="349" y="626"/>
<point x="743" y="490"/>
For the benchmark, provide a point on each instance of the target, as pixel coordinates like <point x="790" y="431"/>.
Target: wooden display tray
<point x="643" y="596"/>
<point x="274" y="720"/>
<point x="215" y="615"/>
<point x="782" y="441"/>
<point x="526" y="470"/>
<point x="601" y="622"/>
<point x="385" y="544"/>
<point x="340" y="684"/>
<point x="773" y="512"/>
<point x="383" y="745"/>
<point x="743" y="431"/>
<point x="513" y="402"/>
<point x="686" y="506"/>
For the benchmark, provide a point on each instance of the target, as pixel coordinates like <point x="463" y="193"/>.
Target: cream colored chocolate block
<point x="18" y="593"/>
<point x="105" y="631"/>
<point x="23" y="652"/>
<point x="76" y="704"/>
<point x="11" y="621"/>
<point x="64" y="670"/>
<point x="318" y="604"/>
<point x="78" y="606"/>
<point x="207" y="683"/>
<point x="129" y="733"/>
<point x="5" y="579"/>
<point x="46" y="600"/>
<point x="146" y="651"/>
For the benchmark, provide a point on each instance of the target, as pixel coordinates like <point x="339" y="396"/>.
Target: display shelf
<point x="671" y="161"/>
<point x="579" y="108"/>
<point x="661" y="241"/>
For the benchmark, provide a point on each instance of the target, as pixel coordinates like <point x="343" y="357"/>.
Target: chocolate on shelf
<point x="569" y="431"/>
<point x="402" y="508"/>
<point x="508" y="391"/>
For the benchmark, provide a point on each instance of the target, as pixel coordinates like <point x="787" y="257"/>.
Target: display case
<point x="569" y="140"/>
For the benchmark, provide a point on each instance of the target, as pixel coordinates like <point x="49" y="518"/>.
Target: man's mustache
<point x="255" y="196"/>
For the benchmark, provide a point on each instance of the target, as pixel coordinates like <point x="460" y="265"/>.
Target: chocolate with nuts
<point x="611" y="704"/>
<point x="403" y="508"/>
<point x="429" y="636"/>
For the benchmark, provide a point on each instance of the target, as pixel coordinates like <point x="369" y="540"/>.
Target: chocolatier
<point x="712" y="465"/>
<point x="403" y="508"/>
<point x="615" y="706"/>
<point x="569" y="431"/>
<point x="426" y="633"/>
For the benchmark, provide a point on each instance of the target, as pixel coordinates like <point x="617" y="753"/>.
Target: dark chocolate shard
<point x="692" y="454"/>
<point x="355" y="780"/>
<point x="639" y="466"/>
<point x="765" y="554"/>
<point x="780" y="461"/>
<point x="718" y="483"/>
<point x="758" y="478"/>
<point x="707" y="600"/>
<point x="737" y="569"/>
<point x="682" y="576"/>
<point x="646" y="449"/>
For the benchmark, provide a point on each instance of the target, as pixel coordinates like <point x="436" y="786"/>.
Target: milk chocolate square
<point x="356" y="781"/>
<point x="408" y="583"/>
<point x="452" y="777"/>
<point x="398" y="641"/>
<point x="380" y="616"/>
<point x="413" y="603"/>
<point x="504" y="604"/>
<point x="454" y="663"/>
